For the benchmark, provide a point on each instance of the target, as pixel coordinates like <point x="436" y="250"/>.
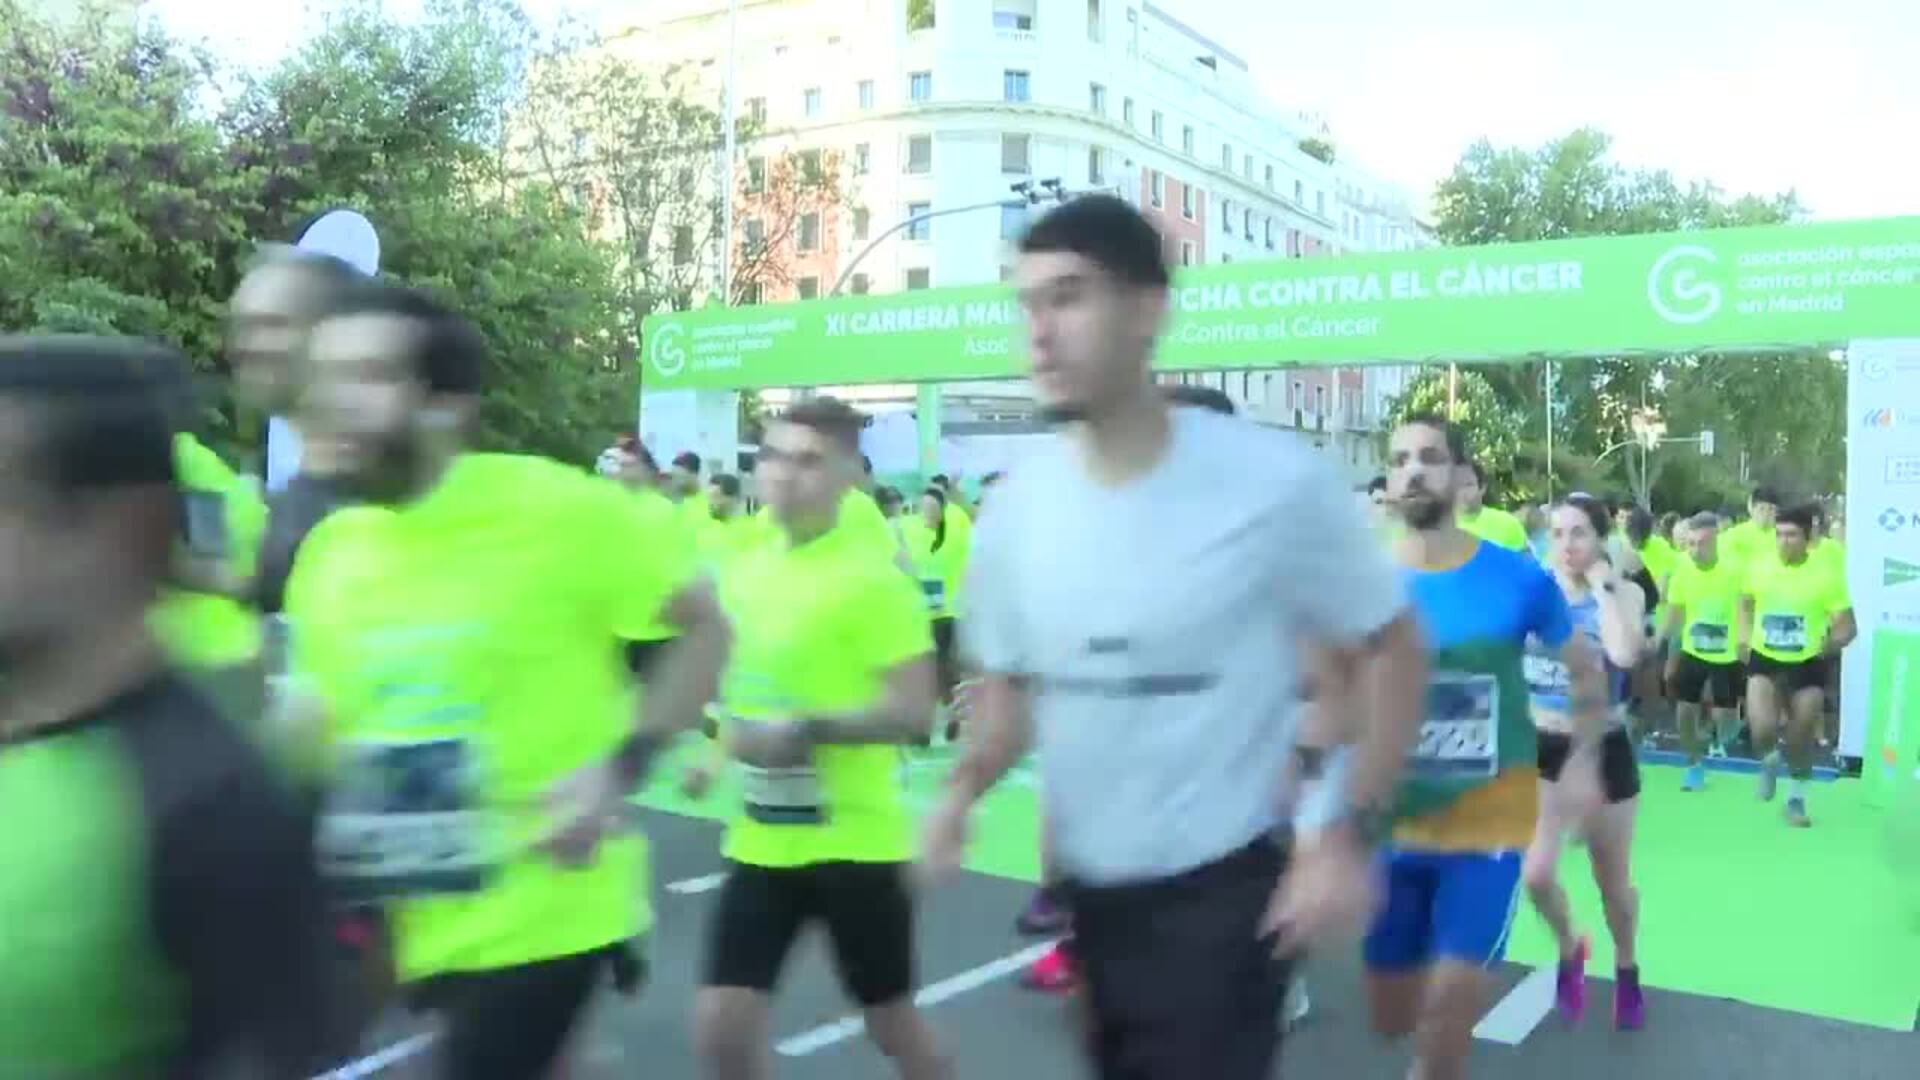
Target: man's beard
<point x="1423" y="514"/>
<point x="390" y="473"/>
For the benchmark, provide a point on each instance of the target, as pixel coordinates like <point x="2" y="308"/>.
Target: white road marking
<point x="1514" y="1016"/>
<point x="695" y="886"/>
<point x="380" y="1060"/>
<point x="817" y="1039"/>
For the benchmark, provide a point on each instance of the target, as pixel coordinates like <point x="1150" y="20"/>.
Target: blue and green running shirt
<point x="1471" y="784"/>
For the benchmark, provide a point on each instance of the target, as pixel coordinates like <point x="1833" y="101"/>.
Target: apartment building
<point x="937" y="106"/>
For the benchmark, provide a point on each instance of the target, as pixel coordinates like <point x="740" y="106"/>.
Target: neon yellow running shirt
<point x="465" y="649"/>
<point x="1793" y="607"/>
<point x="1711" y="599"/>
<point x="816" y="629"/>
<point x="1496" y="527"/>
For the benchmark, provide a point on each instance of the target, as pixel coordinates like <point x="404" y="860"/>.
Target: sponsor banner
<point x="1716" y="289"/>
<point x="1880" y="721"/>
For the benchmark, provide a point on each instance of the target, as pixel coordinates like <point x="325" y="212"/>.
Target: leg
<point x="1397" y="948"/>
<point x="1610" y="846"/>
<point x="1473" y="912"/>
<point x="755" y="921"/>
<point x="1764" y="719"/>
<point x="1806" y="711"/>
<point x="1541" y="872"/>
<point x="869" y="917"/>
<point x="1693" y="740"/>
<point x="513" y="1024"/>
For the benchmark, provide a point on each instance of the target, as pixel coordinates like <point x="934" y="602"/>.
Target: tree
<point x="919" y="15"/>
<point x="1319" y="148"/>
<point x="1571" y="188"/>
<point x="643" y="156"/>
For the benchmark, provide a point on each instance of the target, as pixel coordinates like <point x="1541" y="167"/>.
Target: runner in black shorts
<point x="1703" y="670"/>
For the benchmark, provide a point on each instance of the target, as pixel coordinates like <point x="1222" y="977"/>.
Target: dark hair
<point x="941" y="481"/>
<point x="1765" y="494"/>
<point x="328" y="278"/>
<point x="688" y="460"/>
<point x="728" y="484"/>
<point x="1639" y="525"/>
<point x="1456" y="439"/>
<point x="1378" y="483"/>
<point x="940" y="527"/>
<point x="1595" y="509"/>
<point x="1108" y="233"/>
<point x="1801" y="514"/>
<point x="888" y="499"/>
<point x="1705" y="519"/>
<point x="1666" y="523"/>
<point x="1201" y="397"/>
<point x="832" y="418"/>
<point x="100" y="407"/>
<point x="448" y="354"/>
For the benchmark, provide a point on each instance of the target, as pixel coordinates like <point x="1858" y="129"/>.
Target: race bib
<point x="1544" y="674"/>
<point x="203" y="523"/>
<point x="1708" y="637"/>
<point x="783" y="796"/>
<point x="404" y="822"/>
<point x="935" y="592"/>
<point x="1786" y="633"/>
<point x="1460" y="737"/>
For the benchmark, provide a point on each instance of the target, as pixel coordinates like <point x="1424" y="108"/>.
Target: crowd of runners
<point x="290" y="759"/>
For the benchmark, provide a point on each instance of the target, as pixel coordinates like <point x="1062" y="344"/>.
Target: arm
<point x="1743" y="627"/>
<point x="1623" y="611"/>
<point x="1586" y="691"/>
<point x="998" y="732"/>
<point x="1843" y="631"/>
<point x="903" y="715"/>
<point x="689" y="675"/>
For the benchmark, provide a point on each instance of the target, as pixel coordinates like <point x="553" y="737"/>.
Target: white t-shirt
<point x="1159" y="624"/>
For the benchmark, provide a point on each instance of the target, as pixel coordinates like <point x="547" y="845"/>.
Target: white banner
<point x="1883" y="513"/>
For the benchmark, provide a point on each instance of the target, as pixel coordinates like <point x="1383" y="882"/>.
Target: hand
<point x="584" y="807"/>
<point x="1599" y="575"/>
<point x="696" y="781"/>
<point x="1579" y="786"/>
<point x="943" y="845"/>
<point x="963" y="696"/>
<point x="767" y="744"/>
<point x="1329" y="892"/>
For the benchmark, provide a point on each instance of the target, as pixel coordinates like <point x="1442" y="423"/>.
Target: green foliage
<point x="1318" y="148"/>
<point x="129" y="205"/>
<point x="1571" y="188"/>
<point x="919" y="14"/>
<point x="1493" y="428"/>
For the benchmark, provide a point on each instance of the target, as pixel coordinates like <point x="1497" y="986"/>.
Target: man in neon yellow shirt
<point x="832" y="674"/>
<point x="727" y="532"/>
<point x="454" y="639"/>
<point x="1795" y="617"/>
<point x="1491" y="524"/>
<point x="1702" y="596"/>
<point x="1753" y="538"/>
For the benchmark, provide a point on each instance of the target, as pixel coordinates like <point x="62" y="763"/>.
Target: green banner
<point x="1893" y="719"/>
<point x="1729" y="288"/>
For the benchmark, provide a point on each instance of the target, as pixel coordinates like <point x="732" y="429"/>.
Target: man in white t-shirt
<point x="1138" y="597"/>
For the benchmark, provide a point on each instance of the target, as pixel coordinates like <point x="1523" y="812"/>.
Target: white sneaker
<point x="1298" y="1005"/>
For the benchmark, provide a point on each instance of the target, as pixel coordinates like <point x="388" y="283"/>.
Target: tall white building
<point x="936" y="105"/>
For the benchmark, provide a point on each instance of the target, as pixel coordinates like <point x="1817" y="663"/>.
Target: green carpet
<point x="1734" y="903"/>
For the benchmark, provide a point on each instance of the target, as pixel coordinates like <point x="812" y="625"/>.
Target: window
<point x="1226" y="217"/>
<point x="1299" y="193"/>
<point x="807" y="235"/>
<point x="682" y="245"/>
<point x="1187" y="198"/>
<point x="810" y="102"/>
<point x="811" y="169"/>
<point x="754" y="234"/>
<point x="1156" y="190"/>
<point x="862" y="158"/>
<point x="808" y="287"/>
<point x="1246" y="224"/>
<point x="1320" y="401"/>
<point x="1226" y="156"/>
<point x="919" y="229"/>
<point x="1126" y="111"/>
<point x="1246" y="166"/>
<point x="1096" y="166"/>
<point x="1320" y="203"/>
<point x="1013" y="222"/>
<point x="1014" y="86"/>
<point x="1096" y="26"/>
<point x="1186" y="253"/>
<point x="919" y="154"/>
<point x="756" y="175"/>
<point x="860" y="284"/>
<point x="862" y="221"/>
<point x="1270" y="231"/>
<point x="1297" y="397"/>
<point x="866" y="93"/>
<point x="1012" y="20"/>
<point x="920" y="85"/>
<point x="757" y="111"/>
<point x="1097" y="99"/>
<point x="919" y="278"/>
<point x="1159" y="127"/>
<point x="1269" y="178"/>
<point x="1186" y="139"/>
<point x="1016" y="153"/>
<point x="750" y="293"/>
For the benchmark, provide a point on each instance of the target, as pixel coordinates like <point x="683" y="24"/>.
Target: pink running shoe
<point x="1570" y="985"/>
<point x="1053" y="973"/>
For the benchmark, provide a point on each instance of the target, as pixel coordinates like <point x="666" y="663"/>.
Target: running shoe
<point x="1629" y="1001"/>
<point x="1716" y="751"/>
<point x="1570" y="984"/>
<point x="1043" y="915"/>
<point x="1796" y="813"/>
<point x="1298" y="1005"/>
<point x="1051" y="974"/>
<point x="1695" y="778"/>
<point x="1769" y="776"/>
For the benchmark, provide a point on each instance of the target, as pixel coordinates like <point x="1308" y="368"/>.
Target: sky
<point x="1755" y="95"/>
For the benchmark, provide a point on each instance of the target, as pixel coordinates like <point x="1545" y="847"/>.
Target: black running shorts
<point x="1619" y="770"/>
<point x="1695" y="681"/>
<point x="865" y="907"/>
<point x="1789" y="678"/>
<point x="513" y="1023"/>
<point x="1179" y="983"/>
